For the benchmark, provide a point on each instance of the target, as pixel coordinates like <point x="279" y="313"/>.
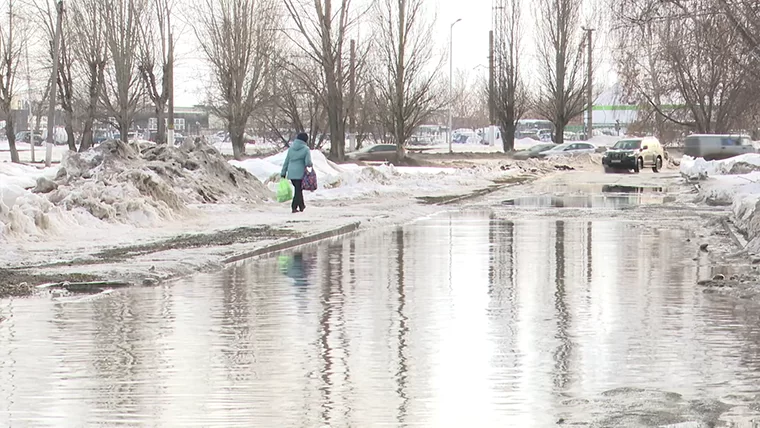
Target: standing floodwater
<point x="459" y="320"/>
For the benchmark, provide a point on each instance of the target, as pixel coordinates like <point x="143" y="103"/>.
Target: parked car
<point x="99" y="136"/>
<point x="377" y="153"/>
<point x="533" y="152"/>
<point x="634" y="154"/>
<point x="26" y="137"/>
<point x="717" y="146"/>
<point x="569" y="149"/>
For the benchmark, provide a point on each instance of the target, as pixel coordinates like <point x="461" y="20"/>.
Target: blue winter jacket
<point x="296" y="161"/>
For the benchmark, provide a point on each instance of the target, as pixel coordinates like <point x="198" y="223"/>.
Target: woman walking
<point x="296" y="161"/>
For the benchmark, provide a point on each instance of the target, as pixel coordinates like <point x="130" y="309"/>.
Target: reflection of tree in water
<point x="235" y="336"/>
<point x="589" y="257"/>
<point x="403" y="329"/>
<point x="562" y="353"/>
<point x="333" y="300"/>
<point x="125" y="351"/>
<point x="501" y="285"/>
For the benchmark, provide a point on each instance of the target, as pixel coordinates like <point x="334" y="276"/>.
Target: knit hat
<point x="303" y="137"/>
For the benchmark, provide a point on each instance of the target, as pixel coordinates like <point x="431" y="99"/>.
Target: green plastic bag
<point x="284" y="191"/>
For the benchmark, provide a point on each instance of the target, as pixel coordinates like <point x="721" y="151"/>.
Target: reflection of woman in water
<point x="295" y="268"/>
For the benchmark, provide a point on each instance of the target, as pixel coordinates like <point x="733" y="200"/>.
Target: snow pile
<point x="354" y="181"/>
<point x="735" y="182"/>
<point x="116" y="182"/>
<point x="701" y="169"/>
<point x="585" y="159"/>
<point x="26" y="214"/>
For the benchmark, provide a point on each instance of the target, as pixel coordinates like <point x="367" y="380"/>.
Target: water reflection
<point x="460" y="320"/>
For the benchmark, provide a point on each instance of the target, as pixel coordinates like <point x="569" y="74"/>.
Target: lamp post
<point x="451" y="74"/>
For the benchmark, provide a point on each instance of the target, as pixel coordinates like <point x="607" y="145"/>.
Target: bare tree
<point x="693" y="55"/>
<point x="323" y="30"/>
<point x="39" y="107"/>
<point x="406" y="81"/>
<point x="12" y="37"/>
<point x="469" y="110"/>
<point x="90" y="53"/>
<point x="46" y="17"/>
<point x="562" y="76"/>
<point x="511" y="99"/>
<point x="157" y="44"/>
<point x="298" y="100"/>
<point x="237" y="38"/>
<point x="122" y="89"/>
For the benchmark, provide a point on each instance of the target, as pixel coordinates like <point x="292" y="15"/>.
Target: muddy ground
<point x="15" y="282"/>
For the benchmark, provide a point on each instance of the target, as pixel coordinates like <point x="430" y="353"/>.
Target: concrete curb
<point x="294" y="243"/>
<point x="475" y="194"/>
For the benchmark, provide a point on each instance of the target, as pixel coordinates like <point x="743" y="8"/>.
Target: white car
<point x="569" y="149"/>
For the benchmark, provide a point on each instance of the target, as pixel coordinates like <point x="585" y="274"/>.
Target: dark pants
<point x="298" y="196"/>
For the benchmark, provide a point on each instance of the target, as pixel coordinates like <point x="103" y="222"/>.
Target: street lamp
<point x="451" y="74"/>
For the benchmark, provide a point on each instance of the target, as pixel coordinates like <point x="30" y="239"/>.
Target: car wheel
<point x="657" y="164"/>
<point x="639" y="165"/>
<point x="608" y="170"/>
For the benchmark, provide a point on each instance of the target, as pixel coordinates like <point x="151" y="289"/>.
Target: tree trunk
<point x="237" y="133"/>
<point x="9" y="132"/>
<point x="508" y="134"/>
<point x="335" y="118"/>
<point x="86" y="142"/>
<point x="70" y="135"/>
<point x="559" y="132"/>
<point x="161" y="131"/>
<point x="124" y="130"/>
<point x="68" y="120"/>
<point x="37" y="123"/>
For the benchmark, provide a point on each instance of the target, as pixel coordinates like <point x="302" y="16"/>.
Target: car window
<point x="730" y="141"/>
<point x="572" y="147"/>
<point x="586" y="146"/>
<point x="627" y="145"/>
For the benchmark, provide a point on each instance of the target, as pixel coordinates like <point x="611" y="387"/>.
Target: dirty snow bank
<point x="700" y="169"/>
<point x="116" y="183"/>
<point x="348" y="180"/>
<point x="731" y="182"/>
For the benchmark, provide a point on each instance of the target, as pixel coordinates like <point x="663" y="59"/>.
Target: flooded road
<point x="457" y="320"/>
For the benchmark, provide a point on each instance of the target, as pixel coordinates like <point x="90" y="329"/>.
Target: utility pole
<point x="352" y="100"/>
<point x="170" y="82"/>
<point x="451" y="76"/>
<point x="29" y="101"/>
<point x="53" y="84"/>
<point x="491" y="98"/>
<point x="491" y="92"/>
<point x="590" y="88"/>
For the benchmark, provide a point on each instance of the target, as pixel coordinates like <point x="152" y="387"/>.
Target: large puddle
<point x="597" y="197"/>
<point x="456" y="321"/>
